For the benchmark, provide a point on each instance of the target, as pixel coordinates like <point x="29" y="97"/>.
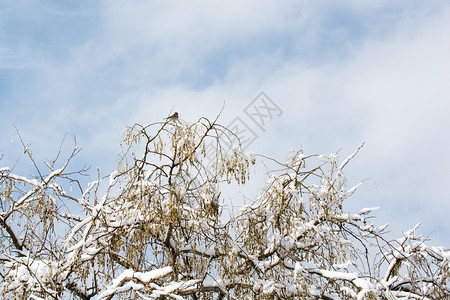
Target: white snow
<point x="368" y="210"/>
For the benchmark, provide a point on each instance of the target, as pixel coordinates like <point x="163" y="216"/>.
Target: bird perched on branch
<point x="173" y="117"/>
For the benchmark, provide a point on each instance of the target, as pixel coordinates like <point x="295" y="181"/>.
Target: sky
<point x="340" y="73"/>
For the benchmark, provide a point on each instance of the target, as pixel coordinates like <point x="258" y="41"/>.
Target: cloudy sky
<point x="341" y="72"/>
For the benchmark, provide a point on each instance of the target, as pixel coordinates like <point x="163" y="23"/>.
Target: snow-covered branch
<point x="158" y="228"/>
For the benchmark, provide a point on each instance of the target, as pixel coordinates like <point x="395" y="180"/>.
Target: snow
<point x="335" y="275"/>
<point x="32" y="271"/>
<point x="344" y="265"/>
<point x="368" y="210"/>
<point x="363" y="284"/>
<point x="51" y="175"/>
<point x="167" y="290"/>
<point x="269" y="287"/>
<point x="298" y="270"/>
<point x="208" y="252"/>
<point x="124" y="281"/>
<point x="349" y="291"/>
<point x="75" y="230"/>
<point x="152" y="275"/>
<point x="410" y="233"/>
<point x="305" y="243"/>
<point x="113" y="178"/>
<point x="352" y="190"/>
<point x="382" y="227"/>
<point x="350" y="157"/>
<point x="32" y="182"/>
<point x="348" y="217"/>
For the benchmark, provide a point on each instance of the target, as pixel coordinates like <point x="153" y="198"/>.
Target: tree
<point x="158" y="228"/>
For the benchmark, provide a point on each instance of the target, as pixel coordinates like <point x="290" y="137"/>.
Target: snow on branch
<point x="158" y="227"/>
<point x="125" y="281"/>
<point x="350" y="157"/>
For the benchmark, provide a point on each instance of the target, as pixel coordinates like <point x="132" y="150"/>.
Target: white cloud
<point x="398" y="88"/>
<point x="344" y="73"/>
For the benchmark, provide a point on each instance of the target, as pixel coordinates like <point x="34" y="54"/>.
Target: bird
<point x="173" y="117"/>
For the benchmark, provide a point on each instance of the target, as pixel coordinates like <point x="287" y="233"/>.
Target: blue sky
<point x="343" y="72"/>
